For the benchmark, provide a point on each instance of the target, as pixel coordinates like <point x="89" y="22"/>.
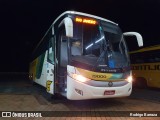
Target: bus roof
<point x="84" y="14"/>
<point x="150" y="48"/>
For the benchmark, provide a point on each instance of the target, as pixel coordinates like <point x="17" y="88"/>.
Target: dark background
<point x="24" y="22"/>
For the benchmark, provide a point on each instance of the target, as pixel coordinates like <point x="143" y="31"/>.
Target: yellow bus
<point x="145" y="64"/>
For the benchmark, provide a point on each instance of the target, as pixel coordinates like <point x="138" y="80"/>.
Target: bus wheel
<point x="141" y="83"/>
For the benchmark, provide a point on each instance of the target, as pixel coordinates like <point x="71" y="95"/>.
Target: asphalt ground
<point x="23" y="96"/>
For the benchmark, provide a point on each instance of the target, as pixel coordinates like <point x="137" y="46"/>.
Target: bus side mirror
<point x="68" y="26"/>
<point x="137" y="35"/>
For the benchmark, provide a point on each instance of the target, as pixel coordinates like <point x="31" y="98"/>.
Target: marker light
<point x="85" y="20"/>
<point x="129" y="79"/>
<point x="79" y="78"/>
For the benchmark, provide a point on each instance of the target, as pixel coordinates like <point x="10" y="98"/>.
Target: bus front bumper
<point x="78" y="91"/>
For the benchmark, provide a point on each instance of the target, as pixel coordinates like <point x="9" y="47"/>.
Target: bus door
<point x="63" y="61"/>
<point x="50" y="82"/>
<point x="65" y="30"/>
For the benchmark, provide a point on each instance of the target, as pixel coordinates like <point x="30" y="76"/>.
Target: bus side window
<point x="157" y="59"/>
<point x="51" y="51"/>
<point x="156" y="56"/>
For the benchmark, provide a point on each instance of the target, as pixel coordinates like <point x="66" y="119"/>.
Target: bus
<point x="145" y="64"/>
<point x="83" y="56"/>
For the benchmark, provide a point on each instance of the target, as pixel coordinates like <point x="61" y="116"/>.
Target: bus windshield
<point x="99" y="45"/>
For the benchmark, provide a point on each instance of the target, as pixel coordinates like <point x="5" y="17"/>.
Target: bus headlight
<point x="79" y="77"/>
<point x="129" y="79"/>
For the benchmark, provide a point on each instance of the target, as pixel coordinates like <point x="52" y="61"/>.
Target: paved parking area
<point x="23" y="97"/>
<point x="39" y="103"/>
<point x="149" y="94"/>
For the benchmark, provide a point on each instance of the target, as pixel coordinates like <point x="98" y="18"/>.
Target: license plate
<point x="109" y="92"/>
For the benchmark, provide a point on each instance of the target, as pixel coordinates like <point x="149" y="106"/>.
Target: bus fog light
<point x="129" y="79"/>
<point x="129" y="89"/>
<point x="79" y="91"/>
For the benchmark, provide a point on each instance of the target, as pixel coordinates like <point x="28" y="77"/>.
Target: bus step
<point x="64" y="94"/>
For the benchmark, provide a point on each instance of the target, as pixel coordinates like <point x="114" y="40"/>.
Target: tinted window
<point x="43" y="46"/>
<point x="146" y="57"/>
<point x="51" y="51"/>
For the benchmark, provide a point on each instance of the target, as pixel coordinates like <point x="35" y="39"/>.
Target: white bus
<point x="83" y="56"/>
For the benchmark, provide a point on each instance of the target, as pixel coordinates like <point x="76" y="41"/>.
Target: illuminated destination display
<point x="85" y="20"/>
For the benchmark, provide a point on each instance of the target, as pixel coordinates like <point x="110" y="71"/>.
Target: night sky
<point x="24" y="22"/>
